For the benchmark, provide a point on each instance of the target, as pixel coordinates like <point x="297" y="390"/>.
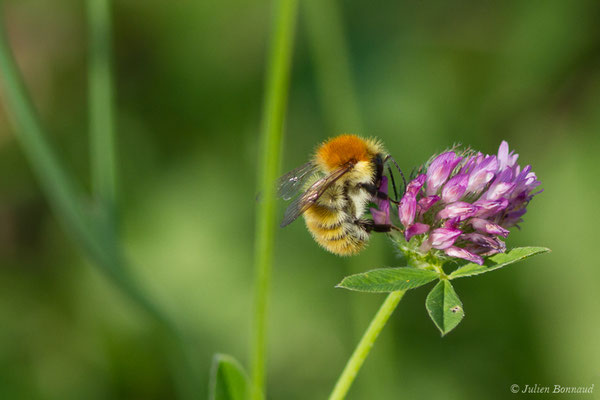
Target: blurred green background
<point x="189" y="75"/>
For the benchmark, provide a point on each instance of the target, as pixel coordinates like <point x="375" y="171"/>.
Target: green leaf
<point x="388" y="279"/>
<point x="498" y="261"/>
<point x="444" y="306"/>
<point x="228" y="380"/>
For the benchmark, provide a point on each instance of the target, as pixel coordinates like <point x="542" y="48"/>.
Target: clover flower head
<point x="463" y="203"/>
<point x="460" y="205"/>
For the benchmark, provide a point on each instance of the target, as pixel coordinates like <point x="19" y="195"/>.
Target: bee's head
<point x="344" y="149"/>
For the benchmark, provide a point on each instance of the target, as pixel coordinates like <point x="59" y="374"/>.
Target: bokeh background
<point x="420" y="75"/>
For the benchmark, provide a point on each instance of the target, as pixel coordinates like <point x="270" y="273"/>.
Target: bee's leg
<point x="374" y="191"/>
<point x="370" y="188"/>
<point x="383" y="228"/>
<point x="370" y="226"/>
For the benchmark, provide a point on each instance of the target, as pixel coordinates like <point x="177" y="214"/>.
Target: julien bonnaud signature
<point x="551" y="389"/>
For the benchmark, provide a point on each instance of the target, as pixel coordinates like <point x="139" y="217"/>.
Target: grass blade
<point x="276" y="93"/>
<point x="69" y="204"/>
<point x="64" y="197"/>
<point x="101" y="109"/>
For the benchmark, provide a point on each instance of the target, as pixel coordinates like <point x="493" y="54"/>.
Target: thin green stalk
<point x="364" y="346"/>
<point x="276" y="92"/>
<point x="69" y="203"/>
<point x="64" y="196"/>
<point x="101" y="109"/>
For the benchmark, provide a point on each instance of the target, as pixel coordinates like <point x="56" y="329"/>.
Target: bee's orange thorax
<point x="343" y="149"/>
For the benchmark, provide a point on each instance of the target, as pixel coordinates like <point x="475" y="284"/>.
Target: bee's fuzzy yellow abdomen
<point x="344" y="244"/>
<point x="325" y="232"/>
<point x="323" y="216"/>
<point x="331" y="229"/>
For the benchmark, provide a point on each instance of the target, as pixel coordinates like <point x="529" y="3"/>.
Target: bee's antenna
<point x="389" y="157"/>
<point x="393" y="184"/>
<point x="414" y="172"/>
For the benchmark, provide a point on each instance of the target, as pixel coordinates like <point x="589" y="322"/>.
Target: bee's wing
<point x="289" y="184"/>
<point x="310" y="196"/>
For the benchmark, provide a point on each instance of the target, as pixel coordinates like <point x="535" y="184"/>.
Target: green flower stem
<point x="276" y="92"/>
<point x="101" y="109"/>
<point x="364" y="346"/>
<point x="69" y="204"/>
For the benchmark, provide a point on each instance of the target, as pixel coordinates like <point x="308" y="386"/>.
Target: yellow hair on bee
<point x="320" y="231"/>
<point x="323" y="215"/>
<point x="340" y="150"/>
<point x="342" y="247"/>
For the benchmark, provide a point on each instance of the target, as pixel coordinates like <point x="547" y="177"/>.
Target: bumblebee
<point x="342" y="177"/>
